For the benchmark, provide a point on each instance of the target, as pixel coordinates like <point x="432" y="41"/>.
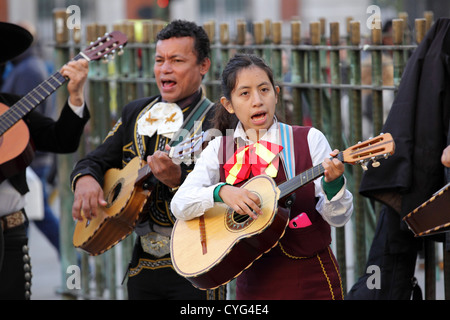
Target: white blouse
<point x="196" y="194"/>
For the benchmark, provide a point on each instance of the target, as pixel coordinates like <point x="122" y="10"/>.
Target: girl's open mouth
<point x="259" y="118"/>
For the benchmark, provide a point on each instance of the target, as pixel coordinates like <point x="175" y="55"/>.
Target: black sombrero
<point x="15" y="40"/>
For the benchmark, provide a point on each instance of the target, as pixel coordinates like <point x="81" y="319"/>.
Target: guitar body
<point x="114" y="222"/>
<point x="232" y="241"/>
<point x="16" y="150"/>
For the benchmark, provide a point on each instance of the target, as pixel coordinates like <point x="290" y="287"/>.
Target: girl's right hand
<point x="241" y="200"/>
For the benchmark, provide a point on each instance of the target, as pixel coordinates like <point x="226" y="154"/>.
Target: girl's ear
<point x="227" y="104"/>
<point x="277" y="92"/>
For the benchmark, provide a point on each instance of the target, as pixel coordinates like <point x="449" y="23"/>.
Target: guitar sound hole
<point x="114" y="193"/>
<point x="240" y="218"/>
<point x="236" y="222"/>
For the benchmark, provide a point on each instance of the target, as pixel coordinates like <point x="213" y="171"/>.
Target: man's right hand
<point x="88" y="197"/>
<point x="446" y="157"/>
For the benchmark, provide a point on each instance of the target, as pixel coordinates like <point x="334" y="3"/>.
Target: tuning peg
<point x="120" y="52"/>
<point x="375" y="164"/>
<point x="364" y="165"/>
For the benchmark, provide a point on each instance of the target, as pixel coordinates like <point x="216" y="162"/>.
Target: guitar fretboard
<point x="303" y="178"/>
<point x="30" y="101"/>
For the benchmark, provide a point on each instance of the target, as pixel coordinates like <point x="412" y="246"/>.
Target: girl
<point x="301" y="266"/>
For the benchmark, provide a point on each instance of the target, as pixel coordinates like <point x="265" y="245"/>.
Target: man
<point x="181" y="61"/>
<point x="28" y="70"/>
<point x="61" y="136"/>
<point x="419" y="123"/>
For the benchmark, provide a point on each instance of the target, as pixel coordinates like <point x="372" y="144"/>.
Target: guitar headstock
<point x="372" y="149"/>
<point x="189" y="148"/>
<point x="110" y="43"/>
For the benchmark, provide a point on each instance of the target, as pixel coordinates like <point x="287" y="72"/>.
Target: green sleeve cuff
<point x="333" y="187"/>
<point x="217" y="198"/>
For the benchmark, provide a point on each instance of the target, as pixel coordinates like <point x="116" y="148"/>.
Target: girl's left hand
<point x="334" y="168"/>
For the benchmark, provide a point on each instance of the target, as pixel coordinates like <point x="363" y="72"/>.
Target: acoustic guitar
<point x="216" y="247"/>
<point x="126" y="192"/>
<point x="16" y="147"/>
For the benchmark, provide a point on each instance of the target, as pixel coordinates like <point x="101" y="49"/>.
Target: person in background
<point x="60" y="136"/>
<point x="27" y="71"/>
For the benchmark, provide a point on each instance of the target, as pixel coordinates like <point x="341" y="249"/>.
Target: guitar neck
<point x="303" y="178"/>
<point x="31" y="100"/>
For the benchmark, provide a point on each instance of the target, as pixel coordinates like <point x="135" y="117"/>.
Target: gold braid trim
<point x="290" y="255"/>
<point x="150" y="264"/>
<point x="323" y="268"/>
<point x="326" y="276"/>
<point x="337" y="271"/>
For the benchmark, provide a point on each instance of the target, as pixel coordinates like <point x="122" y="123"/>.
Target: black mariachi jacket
<point x="123" y="143"/>
<point x="419" y="124"/>
<point x="61" y="136"/>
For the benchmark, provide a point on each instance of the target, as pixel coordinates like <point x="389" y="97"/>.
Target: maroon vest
<point x="302" y="242"/>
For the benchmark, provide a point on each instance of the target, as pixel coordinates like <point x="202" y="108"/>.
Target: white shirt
<point x="196" y="194"/>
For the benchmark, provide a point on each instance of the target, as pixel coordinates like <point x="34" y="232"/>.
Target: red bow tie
<point x="257" y="158"/>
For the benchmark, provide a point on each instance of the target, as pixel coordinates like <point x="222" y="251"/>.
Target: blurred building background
<point x="40" y="12"/>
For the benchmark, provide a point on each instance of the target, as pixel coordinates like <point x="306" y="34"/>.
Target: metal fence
<point x="343" y="84"/>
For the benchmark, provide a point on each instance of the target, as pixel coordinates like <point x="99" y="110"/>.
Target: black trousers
<point x="394" y="250"/>
<point x="15" y="268"/>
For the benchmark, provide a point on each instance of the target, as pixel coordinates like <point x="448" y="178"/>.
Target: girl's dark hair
<point x="183" y="28"/>
<point x="223" y="119"/>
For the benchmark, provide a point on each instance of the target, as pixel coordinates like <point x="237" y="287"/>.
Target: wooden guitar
<point x="16" y="147"/>
<point x="126" y="191"/>
<point x="216" y="247"/>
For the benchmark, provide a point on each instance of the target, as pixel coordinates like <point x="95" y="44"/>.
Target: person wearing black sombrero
<point x="45" y="134"/>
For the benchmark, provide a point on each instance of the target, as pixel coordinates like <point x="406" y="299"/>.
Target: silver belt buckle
<point x="155" y="244"/>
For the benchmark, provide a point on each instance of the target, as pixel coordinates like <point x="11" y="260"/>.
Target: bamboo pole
<point x="377" y="81"/>
<point x="297" y="72"/>
<point x="336" y="138"/>
<point x="355" y="136"/>
<point x="397" y="33"/>
<point x="65" y="162"/>
<point x="315" y="94"/>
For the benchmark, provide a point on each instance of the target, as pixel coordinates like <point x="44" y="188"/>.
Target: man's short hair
<point x="183" y="28"/>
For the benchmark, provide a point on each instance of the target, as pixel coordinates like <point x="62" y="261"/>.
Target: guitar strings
<point x="20" y="108"/>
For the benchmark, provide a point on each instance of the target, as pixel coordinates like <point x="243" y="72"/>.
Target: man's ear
<point x="227" y="104"/>
<point x="204" y="66"/>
